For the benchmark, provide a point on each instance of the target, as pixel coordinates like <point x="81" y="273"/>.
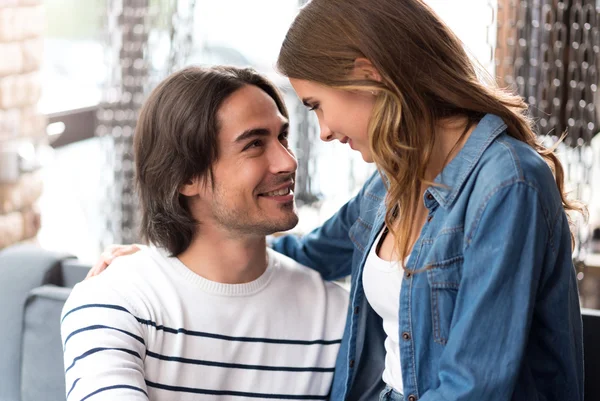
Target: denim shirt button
<point x="429" y="197"/>
<point x="406" y="335"/>
<point x="412" y="398"/>
<point x="430" y="218"/>
<point x="351" y="363"/>
<point x="356" y="310"/>
<point x="408" y="274"/>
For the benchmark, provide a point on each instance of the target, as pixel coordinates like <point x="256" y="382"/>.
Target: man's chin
<point x="284" y="224"/>
<point x="293" y="222"/>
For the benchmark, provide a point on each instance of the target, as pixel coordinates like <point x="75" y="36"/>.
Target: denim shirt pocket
<point x="443" y="274"/>
<point x="359" y="234"/>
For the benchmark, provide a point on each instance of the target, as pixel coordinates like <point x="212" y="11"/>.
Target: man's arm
<point x="103" y="345"/>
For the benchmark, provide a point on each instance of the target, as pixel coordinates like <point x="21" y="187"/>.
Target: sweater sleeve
<point x="103" y="345"/>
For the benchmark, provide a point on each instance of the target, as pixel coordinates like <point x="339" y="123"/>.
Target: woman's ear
<point x="364" y="69"/>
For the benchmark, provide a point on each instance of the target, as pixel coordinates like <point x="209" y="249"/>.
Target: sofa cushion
<point x="42" y="367"/>
<point x="22" y="268"/>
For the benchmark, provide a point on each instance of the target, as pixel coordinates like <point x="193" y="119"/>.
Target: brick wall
<point x="22" y="127"/>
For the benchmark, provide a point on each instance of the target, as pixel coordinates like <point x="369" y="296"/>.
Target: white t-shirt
<point x="150" y="328"/>
<point x="382" y="280"/>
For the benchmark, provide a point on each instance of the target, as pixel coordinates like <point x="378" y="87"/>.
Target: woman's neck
<point x="451" y="135"/>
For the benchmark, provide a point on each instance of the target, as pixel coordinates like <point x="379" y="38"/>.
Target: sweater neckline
<point x="216" y="288"/>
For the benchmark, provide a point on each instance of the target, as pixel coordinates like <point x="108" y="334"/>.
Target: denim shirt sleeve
<point x="506" y="247"/>
<point x="327" y="249"/>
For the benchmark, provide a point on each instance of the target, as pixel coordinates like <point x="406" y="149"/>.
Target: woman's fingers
<point x="109" y="254"/>
<point x="96" y="269"/>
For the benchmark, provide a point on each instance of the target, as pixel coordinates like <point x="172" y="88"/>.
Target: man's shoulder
<point x="288" y="266"/>
<point x="298" y="275"/>
<point x="127" y="279"/>
<point x="140" y="267"/>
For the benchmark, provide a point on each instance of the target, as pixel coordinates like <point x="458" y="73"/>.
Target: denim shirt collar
<point x="454" y="175"/>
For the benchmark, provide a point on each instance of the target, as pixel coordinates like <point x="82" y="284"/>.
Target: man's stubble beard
<point x="240" y="222"/>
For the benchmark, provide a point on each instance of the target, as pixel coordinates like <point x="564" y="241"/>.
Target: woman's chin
<point x="366" y="155"/>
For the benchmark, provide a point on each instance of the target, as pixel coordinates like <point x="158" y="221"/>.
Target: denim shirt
<point x="489" y="306"/>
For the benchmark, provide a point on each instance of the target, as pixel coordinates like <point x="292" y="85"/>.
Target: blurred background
<point x="96" y="60"/>
<point x="74" y="73"/>
<point x="69" y="106"/>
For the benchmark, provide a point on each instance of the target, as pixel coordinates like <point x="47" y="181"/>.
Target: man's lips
<point x="282" y="190"/>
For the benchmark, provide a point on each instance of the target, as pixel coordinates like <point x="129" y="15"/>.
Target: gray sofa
<point x="34" y="285"/>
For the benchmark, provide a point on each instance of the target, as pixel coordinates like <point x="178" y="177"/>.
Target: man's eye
<point x="284" y="136"/>
<point x="314" y="107"/>
<point x="254" y="144"/>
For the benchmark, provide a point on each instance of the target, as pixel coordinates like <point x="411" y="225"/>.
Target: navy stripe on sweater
<point x="73" y="386"/>
<point x="238" y="365"/>
<point x="201" y="362"/>
<point x="116" y="307"/>
<point x="180" y="389"/>
<point x="114" y="388"/>
<point x="205" y="334"/>
<point x="95" y="350"/>
<point x="101" y="326"/>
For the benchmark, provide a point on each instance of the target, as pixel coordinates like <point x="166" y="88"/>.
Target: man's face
<point x="254" y="174"/>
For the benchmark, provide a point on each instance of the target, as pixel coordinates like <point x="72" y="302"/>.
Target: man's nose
<point x="284" y="161"/>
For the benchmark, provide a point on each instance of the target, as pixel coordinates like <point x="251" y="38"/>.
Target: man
<point x="207" y="312"/>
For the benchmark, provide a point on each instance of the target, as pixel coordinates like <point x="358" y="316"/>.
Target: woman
<point x="463" y="286"/>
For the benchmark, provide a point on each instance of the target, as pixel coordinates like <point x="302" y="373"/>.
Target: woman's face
<point x="342" y="115"/>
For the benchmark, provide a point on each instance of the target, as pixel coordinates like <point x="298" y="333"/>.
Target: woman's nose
<point x="326" y="134"/>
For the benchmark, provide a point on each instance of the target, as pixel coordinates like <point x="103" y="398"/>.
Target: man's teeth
<point x="281" y="192"/>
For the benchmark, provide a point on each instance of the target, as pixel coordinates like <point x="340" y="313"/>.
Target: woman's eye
<point x="314" y="107"/>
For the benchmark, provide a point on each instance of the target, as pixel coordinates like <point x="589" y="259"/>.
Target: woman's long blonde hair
<point x="426" y="76"/>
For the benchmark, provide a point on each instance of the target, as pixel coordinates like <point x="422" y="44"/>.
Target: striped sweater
<point x="150" y="328"/>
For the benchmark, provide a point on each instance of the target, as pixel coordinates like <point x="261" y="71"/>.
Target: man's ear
<point x="192" y="187"/>
<point x="364" y="69"/>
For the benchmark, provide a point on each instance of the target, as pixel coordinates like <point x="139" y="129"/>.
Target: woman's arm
<point x="509" y="253"/>
<point x="327" y="249"/>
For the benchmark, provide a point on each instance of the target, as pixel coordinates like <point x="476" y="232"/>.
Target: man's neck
<point x="227" y="260"/>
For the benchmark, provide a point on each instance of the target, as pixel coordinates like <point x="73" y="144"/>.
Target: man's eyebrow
<point x="251" y="133"/>
<point x="259" y="132"/>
